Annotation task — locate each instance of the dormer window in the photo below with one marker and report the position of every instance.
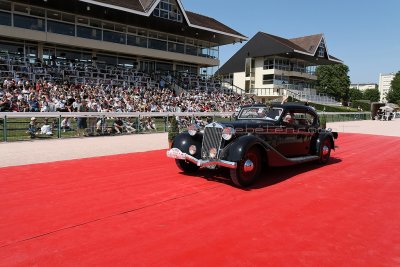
(321, 49)
(168, 9)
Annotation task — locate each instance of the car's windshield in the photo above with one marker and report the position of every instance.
(260, 113)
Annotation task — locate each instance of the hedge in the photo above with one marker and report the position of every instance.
(364, 104)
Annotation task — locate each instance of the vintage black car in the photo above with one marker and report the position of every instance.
(260, 136)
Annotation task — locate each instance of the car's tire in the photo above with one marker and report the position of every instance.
(186, 166)
(325, 151)
(242, 178)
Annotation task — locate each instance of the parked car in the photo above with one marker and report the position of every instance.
(260, 136)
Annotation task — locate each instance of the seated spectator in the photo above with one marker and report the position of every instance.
(66, 124)
(151, 125)
(69, 104)
(45, 106)
(33, 104)
(118, 126)
(46, 129)
(32, 128)
(60, 104)
(129, 126)
(5, 104)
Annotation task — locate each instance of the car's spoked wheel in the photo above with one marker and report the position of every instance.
(248, 169)
(325, 152)
(186, 166)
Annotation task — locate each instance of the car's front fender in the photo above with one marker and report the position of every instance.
(184, 140)
(236, 150)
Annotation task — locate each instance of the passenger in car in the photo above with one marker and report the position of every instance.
(289, 118)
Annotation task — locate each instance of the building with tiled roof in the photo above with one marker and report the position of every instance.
(147, 35)
(271, 67)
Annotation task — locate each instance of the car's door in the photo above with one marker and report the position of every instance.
(294, 138)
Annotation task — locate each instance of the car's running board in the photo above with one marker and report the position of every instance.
(303, 159)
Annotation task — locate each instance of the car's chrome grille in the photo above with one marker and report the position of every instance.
(212, 139)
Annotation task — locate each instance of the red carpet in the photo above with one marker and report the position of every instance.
(138, 210)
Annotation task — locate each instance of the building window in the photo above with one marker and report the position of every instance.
(282, 64)
(191, 50)
(268, 79)
(177, 48)
(61, 28)
(157, 44)
(88, 33)
(28, 22)
(168, 9)
(137, 41)
(114, 37)
(5, 18)
(321, 49)
(269, 64)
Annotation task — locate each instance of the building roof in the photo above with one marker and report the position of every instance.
(146, 8)
(135, 5)
(207, 22)
(308, 43)
(264, 44)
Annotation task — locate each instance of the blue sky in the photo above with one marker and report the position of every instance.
(365, 34)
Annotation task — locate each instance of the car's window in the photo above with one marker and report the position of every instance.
(299, 118)
(274, 113)
(311, 119)
(260, 113)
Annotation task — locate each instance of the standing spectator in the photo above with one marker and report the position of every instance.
(82, 121)
(92, 121)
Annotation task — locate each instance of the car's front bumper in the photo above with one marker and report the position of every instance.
(176, 153)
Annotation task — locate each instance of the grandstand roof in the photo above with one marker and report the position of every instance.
(193, 20)
(139, 13)
(264, 44)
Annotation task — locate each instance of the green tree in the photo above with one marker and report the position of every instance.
(334, 80)
(372, 95)
(393, 96)
(355, 94)
(173, 129)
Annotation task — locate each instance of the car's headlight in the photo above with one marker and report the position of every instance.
(213, 152)
(228, 133)
(193, 129)
(192, 150)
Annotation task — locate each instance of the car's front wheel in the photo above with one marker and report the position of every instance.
(325, 151)
(248, 169)
(186, 166)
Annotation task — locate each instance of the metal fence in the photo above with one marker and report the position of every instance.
(14, 126)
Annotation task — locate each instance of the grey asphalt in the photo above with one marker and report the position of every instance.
(40, 151)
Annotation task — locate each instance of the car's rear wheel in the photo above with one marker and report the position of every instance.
(186, 166)
(248, 169)
(325, 151)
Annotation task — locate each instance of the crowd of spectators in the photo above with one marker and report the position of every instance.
(42, 96)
